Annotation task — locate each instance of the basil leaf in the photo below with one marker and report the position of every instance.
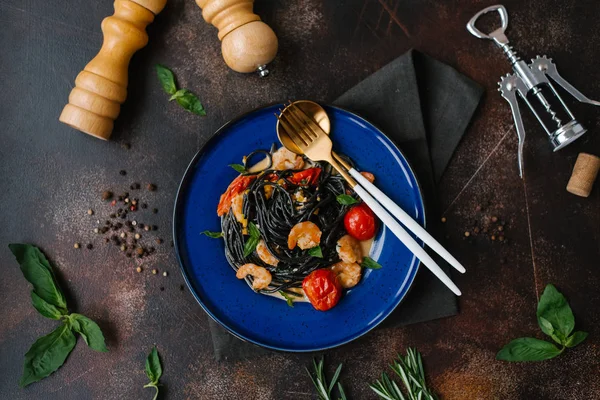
(190, 102)
(166, 78)
(528, 349)
(316, 252)
(89, 331)
(47, 354)
(253, 239)
(548, 329)
(177, 94)
(576, 338)
(289, 299)
(554, 308)
(46, 309)
(369, 263)
(346, 200)
(214, 235)
(153, 367)
(238, 167)
(37, 270)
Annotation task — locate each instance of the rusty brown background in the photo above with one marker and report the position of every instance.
(51, 174)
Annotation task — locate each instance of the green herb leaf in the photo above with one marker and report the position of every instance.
(153, 367)
(46, 309)
(38, 272)
(289, 299)
(178, 94)
(166, 78)
(47, 354)
(548, 329)
(553, 307)
(528, 349)
(369, 263)
(190, 102)
(238, 167)
(346, 200)
(214, 235)
(253, 239)
(319, 380)
(576, 338)
(316, 252)
(89, 331)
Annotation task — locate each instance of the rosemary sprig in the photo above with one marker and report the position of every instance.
(411, 372)
(319, 379)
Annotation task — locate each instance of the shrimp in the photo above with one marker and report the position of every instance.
(265, 255)
(262, 277)
(305, 234)
(285, 159)
(348, 274)
(369, 176)
(349, 249)
(237, 204)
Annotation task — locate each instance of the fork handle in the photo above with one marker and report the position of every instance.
(407, 220)
(405, 238)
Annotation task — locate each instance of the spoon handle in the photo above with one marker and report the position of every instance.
(405, 238)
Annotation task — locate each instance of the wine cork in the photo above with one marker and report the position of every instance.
(584, 174)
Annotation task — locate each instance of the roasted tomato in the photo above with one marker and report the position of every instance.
(322, 288)
(237, 186)
(360, 222)
(305, 177)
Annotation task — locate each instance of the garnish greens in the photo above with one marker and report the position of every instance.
(288, 299)
(411, 372)
(214, 235)
(319, 379)
(556, 320)
(316, 252)
(346, 200)
(252, 240)
(369, 263)
(153, 370)
(238, 167)
(49, 352)
(184, 97)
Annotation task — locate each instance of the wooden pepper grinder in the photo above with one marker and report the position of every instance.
(101, 87)
(247, 43)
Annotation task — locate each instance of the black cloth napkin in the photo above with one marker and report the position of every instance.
(424, 106)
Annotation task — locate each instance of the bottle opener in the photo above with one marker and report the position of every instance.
(530, 82)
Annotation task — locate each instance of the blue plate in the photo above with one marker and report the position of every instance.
(264, 320)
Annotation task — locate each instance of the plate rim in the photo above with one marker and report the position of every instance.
(177, 205)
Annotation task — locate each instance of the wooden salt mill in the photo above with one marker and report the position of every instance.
(101, 87)
(247, 43)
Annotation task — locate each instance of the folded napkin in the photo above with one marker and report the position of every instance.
(424, 106)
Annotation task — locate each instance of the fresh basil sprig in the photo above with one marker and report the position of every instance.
(556, 320)
(238, 167)
(369, 263)
(153, 370)
(346, 199)
(214, 235)
(49, 352)
(184, 97)
(253, 239)
(316, 252)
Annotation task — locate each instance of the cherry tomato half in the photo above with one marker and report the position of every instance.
(322, 288)
(237, 186)
(360, 222)
(305, 177)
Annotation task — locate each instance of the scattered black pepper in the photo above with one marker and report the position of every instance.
(151, 187)
(90, 246)
(144, 205)
(126, 146)
(162, 288)
(155, 211)
(181, 287)
(154, 227)
(123, 172)
(107, 195)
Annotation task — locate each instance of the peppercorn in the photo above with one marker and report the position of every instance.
(90, 246)
(126, 200)
(147, 227)
(128, 254)
(106, 240)
(154, 227)
(500, 228)
(151, 187)
(155, 211)
(162, 288)
(76, 245)
(159, 240)
(139, 251)
(154, 271)
(443, 219)
(181, 287)
(501, 238)
(123, 172)
(123, 247)
(126, 146)
(96, 230)
(493, 237)
(494, 219)
(165, 273)
(476, 229)
(90, 212)
(139, 269)
(478, 208)
(144, 205)
(133, 208)
(467, 233)
(137, 236)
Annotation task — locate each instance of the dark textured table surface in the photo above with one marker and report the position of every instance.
(51, 175)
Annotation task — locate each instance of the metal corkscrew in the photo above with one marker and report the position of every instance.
(531, 83)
